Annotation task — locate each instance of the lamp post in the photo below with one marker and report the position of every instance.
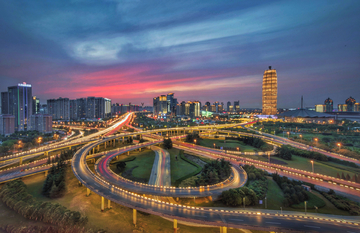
(316, 140)
(195, 141)
(300, 136)
(305, 207)
(288, 133)
(214, 145)
(312, 164)
(265, 202)
(39, 140)
(244, 202)
(339, 145)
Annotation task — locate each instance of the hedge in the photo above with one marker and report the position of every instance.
(131, 158)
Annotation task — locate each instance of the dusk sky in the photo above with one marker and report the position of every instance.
(132, 51)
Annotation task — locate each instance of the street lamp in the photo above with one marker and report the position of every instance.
(214, 145)
(339, 145)
(237, 148)
(195, 141)
(316, 140)
(288, 133)
(300, 136)
(312, 164)
(39, 140)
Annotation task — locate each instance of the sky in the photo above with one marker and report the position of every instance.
(133, 50)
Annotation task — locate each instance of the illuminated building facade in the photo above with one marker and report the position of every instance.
(342, 107)
(269, 92)
(357, 107)
(329, 105)
(320, 107)
(35, 105)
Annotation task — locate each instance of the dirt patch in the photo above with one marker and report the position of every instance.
(275, 161)
(195, 160)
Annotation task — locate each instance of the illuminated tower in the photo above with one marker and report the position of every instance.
(269, 92)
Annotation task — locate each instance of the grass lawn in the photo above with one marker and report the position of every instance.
(229, 143)
(325, 168)
(144, 160)
(116, 219)
(179, 167)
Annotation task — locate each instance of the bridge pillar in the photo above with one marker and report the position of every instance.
(102, 203)
(175, 226)
(20, 161)
(109, 204)
(69, 147)
(128, 152)
(105, 145)
(177, 199)
(87, 192)
(123, 140)
(140, 149)
(93, 150)
(223, 229)
(46, 173)
(46, 153)
(134, 216)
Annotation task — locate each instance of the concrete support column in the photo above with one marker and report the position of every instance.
(175, 226)
(46, 173)
(134, 216)
(109, 204)
(98, 148)
(105, 145)
(223, 229)
(46, 153)
(140, 149)
(123, 140)
(93, 150)
(20, 161)
(102, 203)
(80, 184)
(128, 152)
(69, 147)
(177, 199)
(87, 192)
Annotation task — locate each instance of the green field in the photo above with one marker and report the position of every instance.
(143, 162)
(325, 168)
(179, 167)
(229, 143)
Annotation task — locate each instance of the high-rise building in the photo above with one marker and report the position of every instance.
(43, 109)
(81, 108)
(35, 105)
(228, 106)
(41, 123)
(4, 102)
(207, 106)
(320, 107)
(269, 92)
(20, 105)
(342, 107)
(357, 107)
(73, 110)
(172, 102)
(160, 105)
(59, 109)
(7, 124)
(350, 102)
(193, 109)
(237, 106)
(329, 105)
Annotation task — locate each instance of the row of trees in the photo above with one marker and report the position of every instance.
(255, 142)
(14, 194)
(47, 229)
(214, 172)
(236, 197)
(54, 186)
(293, 192)
(342, 203)
(256, 180)
(355, 178)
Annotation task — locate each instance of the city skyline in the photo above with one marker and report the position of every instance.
(132, 52)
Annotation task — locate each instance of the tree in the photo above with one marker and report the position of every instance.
(347, 176)
(342, 176)
(168, 143)
(121, 166)
(338, 176)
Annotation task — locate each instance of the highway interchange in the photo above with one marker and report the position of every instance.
(128, 193)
